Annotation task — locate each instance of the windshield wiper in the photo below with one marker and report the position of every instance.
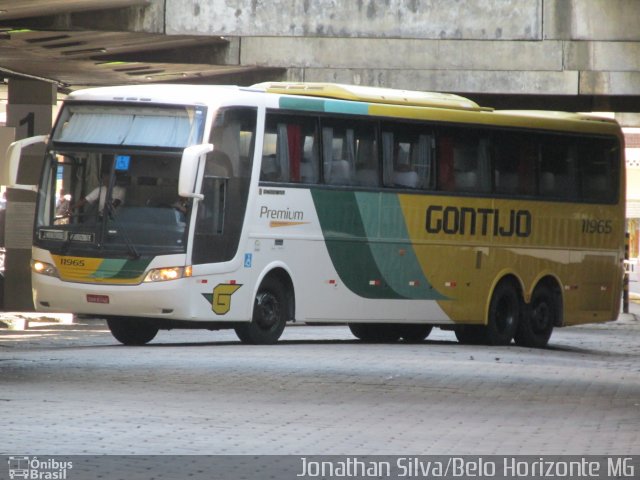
(133, 252)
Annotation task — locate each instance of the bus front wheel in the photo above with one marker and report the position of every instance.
(130, 331)
(536, 326)
(269, 315)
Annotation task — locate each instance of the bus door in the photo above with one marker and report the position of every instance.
(225, 186)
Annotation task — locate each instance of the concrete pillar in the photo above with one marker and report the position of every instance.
(29, 111)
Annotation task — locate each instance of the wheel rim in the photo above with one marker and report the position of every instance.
(268, 310)
(505, 318)
(541, 317)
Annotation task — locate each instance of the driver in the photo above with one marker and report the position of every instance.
(100, 193)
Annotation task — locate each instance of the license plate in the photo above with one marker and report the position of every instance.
(97, 298)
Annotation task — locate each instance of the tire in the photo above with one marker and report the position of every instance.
(269, 315)
(414, 332)
(536, 326)
(132, 331)
(375, 332)
(504, 313)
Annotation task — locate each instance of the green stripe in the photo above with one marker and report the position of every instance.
(302, 103)
(367, 241)
(116, 268)
(353, 108)
(391, 246)
(346, 241)
(322, 105)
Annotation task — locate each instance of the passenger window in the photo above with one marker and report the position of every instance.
(599, 170)
(558, 158)
(290, 150)
(514, 160)
(350, 153)
(407, 157)
(463, 161)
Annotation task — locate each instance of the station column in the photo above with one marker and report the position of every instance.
(29, 111)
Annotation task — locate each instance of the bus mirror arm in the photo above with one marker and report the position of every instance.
(9, 173)
(189, 170)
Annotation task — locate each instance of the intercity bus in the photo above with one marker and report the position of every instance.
(176, 206)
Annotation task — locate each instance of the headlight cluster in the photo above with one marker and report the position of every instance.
(155, 275)
(170, 273)
(44, 268)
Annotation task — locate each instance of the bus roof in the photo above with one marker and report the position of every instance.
(380, 101)
(153, 93)
(373, 94)
(461, 109)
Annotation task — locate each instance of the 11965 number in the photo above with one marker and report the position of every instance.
(597, 226)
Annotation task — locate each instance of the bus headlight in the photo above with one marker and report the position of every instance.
(44, 268)
(170, 273)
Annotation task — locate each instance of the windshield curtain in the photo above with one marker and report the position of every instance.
(169, 127)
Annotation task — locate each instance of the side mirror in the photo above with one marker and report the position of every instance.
(9, 172)
(189, 170)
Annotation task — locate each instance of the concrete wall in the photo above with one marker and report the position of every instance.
(470, 19)
(531, 47)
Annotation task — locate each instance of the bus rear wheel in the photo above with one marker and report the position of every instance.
(504, 313)
(536, 326)
(269, 315)
(132, 331)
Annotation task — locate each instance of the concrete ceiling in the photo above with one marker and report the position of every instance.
(33, 44)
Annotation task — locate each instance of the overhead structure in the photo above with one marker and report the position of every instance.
(120, 42)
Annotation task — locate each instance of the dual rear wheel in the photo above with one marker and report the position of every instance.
(509, 319)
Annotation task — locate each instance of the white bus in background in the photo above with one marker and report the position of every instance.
(392, 211)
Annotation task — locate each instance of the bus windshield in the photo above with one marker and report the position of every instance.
(110, 181)
(118, 204)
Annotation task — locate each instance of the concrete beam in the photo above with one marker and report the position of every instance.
(602, 56)
(148, 18)
(316, 52)
(615, 20)
(609, 83)
(434, 19)
(460, 81)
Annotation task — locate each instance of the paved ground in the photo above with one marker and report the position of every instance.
(71, 389)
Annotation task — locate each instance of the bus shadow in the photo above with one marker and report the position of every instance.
(282, 343)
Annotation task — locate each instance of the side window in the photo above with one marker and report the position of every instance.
(463, 161)
(408, 157)
(599, 165)
(514, 161)
(557, 170)
(290, 150)
(350, 153)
